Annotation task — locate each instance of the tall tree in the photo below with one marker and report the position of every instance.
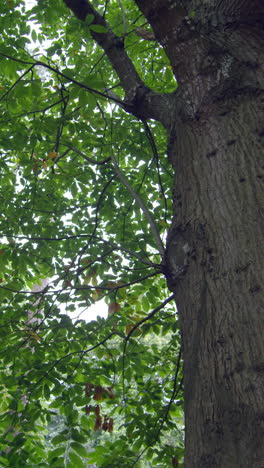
(129, 107)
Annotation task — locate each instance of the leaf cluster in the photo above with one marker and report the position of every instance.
(68, 219)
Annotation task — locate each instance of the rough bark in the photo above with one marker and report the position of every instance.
(214, 254)
(218, 231)
(214, 261)
(219, 216)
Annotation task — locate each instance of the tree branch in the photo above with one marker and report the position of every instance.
(16, 82)
(59, 73)
(145, 319)
(175, 391)
(119, 247)
(90, 160)
(142, 205)
(111, 44)
(140, 100)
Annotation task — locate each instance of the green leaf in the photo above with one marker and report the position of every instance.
(66, 217)
(89, 19)
(46, 391)
(56, 453)
(76, 460)
(98, 28)
(76, 436)
(59, 439)
(79, 449)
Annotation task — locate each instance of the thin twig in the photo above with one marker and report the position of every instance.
(175, 392)
(90, 160)
(81, 352)
(156, 157)
(85, 236)
(153, 312)
(123, 17)
(148, 317)
(16, 82)
(38, 63)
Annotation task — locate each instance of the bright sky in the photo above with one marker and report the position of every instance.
(99, 309)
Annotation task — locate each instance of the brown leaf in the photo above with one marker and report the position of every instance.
(113, 307)
(110, 425)
(98, 393)
(98, 423)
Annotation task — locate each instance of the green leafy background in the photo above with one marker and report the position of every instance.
(66, 217)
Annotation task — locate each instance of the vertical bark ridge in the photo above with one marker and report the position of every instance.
(218, 201)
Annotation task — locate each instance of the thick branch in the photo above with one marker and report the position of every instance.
(111, 44)
(140, 100)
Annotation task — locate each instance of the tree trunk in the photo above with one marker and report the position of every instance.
(218, 210)
(216, 149)
(214, 258)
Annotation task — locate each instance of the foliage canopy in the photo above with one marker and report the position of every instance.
(76, 170)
